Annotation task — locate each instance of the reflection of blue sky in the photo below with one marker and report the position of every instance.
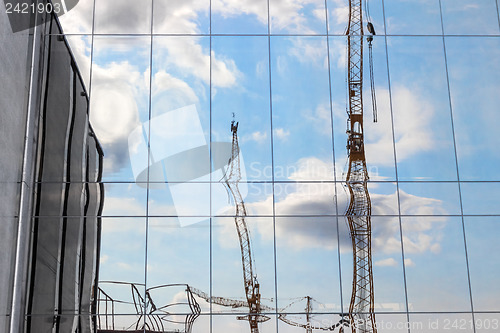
(226, 74)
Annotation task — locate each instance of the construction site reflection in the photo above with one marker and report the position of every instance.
(153, 315)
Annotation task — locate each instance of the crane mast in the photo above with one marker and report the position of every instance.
(358, 213)
(252, 293)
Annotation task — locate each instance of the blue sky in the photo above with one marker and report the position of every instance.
(436, 111)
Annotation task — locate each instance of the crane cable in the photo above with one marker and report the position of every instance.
(372, 80)
(371, 30)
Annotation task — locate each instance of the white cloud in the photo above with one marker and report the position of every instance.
(116, 206)
(257, 136)
(340, 14)
(413, 121)
(187, 54)
(409, 262)
(312, 168)
(421, 234)
(310, 51)
(389, 262)
(78, 19)
(281, 133)
(320, 118)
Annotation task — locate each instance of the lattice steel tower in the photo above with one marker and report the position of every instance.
(358, 214)
(252, 293)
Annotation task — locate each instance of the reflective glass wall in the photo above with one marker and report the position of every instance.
(166, 80)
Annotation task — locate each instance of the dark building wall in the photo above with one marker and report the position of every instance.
(49, 173)
(63, 260)
(15, 55)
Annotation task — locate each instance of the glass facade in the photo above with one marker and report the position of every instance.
(166, 79)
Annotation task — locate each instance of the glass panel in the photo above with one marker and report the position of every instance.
(123, 17)
(338, 15)
(301, 101)
(122, 199)
(247, 98)
(480, 198)
(122, 262)
(387, 264)
(429, 198)
(178, 257)
(297, 17)
(383, 198)
(227, 269)
(314, 199)
(181, 17)
(182, 200)
(120, 105)
(441, 323)
(470, 17)
(421, 109)
(436, 271)
(379, 146)
(472, 63)
(180, 110)
(311, 274)
(258, 199)
(239, 17)
(413, 17)
(78, 19)
(484, 263)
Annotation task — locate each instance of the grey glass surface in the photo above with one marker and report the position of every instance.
(181, 17)
(79, 19)
(121, 17)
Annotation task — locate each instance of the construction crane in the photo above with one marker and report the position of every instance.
(361, 312)
(232, 177)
